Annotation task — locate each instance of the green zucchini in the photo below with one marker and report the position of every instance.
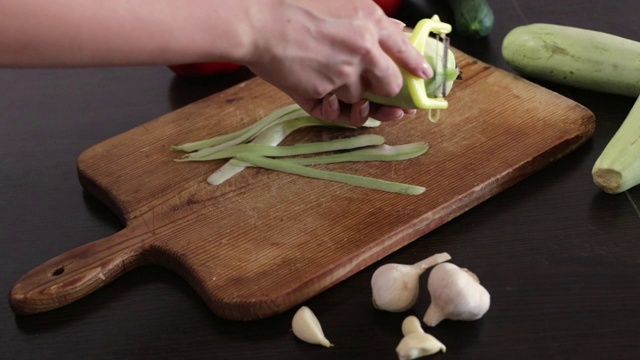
(418, 93)
(617, 169)
(443, 78)
(576, 57)
(473, 18)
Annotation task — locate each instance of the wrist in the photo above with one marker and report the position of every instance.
(214, 30)
(256, 30)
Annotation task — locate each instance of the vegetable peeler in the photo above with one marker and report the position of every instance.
(416, 85)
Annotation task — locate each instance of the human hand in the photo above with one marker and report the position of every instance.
(326, 54)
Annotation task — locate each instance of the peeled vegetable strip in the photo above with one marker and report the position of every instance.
(247, 136)
(355, 180)
(291, 150)
(377, 153)
(272, 135)
(245, 133)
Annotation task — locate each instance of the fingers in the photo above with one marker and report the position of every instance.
(389, 113)
(384, 54)
(372, 64)
(396, 44)
(398, 23)
(359, 113)
(351, 93)
(331, 109)
(327, 108)
(382, 76)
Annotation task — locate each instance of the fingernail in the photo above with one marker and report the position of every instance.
(398, 22)
(399, 114)
(410, 111)
(364, 110)
(333, 103)
(426, 71)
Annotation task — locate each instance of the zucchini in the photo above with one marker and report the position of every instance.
(617, 169)
(473, 18)
(576, 57)
(443, 78)
(418, 93)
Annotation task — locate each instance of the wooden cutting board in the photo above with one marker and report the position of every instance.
(265, 242)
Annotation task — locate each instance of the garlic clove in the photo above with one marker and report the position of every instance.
(395, 287)
(306, 327)
(411, 325)
(416, 343)
(456, 294)
(434, 315)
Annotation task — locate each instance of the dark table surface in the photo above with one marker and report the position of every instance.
(560, 258)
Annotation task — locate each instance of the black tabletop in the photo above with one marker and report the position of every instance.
(560, 258)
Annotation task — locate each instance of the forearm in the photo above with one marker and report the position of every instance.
(122, 32)
(320, 53)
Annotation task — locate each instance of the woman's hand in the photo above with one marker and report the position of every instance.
(327, 54)
(324, 54)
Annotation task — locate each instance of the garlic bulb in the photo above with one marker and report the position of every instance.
(395, 286)
(456, 294)
(306, 327)
(416, 343)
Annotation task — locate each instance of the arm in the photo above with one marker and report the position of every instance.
(324, 55)
(120, 32)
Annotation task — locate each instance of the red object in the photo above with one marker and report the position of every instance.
(204, 69)
(390, 7)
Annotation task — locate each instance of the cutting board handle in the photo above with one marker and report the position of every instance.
(76, 273)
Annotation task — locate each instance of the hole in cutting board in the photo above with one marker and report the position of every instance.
(58, 271)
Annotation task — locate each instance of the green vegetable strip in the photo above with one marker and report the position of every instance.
(253, 129)
(247, 136)
(291, 150)
(371, 123)
(355, 180)
(272, 136)
(378, 153)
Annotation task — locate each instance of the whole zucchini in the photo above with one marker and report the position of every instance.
(473, 18)
(617, 169)
(576, 57)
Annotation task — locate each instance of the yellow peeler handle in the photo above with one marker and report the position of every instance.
(416, 85)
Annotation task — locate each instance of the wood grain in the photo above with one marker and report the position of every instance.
(264, 242)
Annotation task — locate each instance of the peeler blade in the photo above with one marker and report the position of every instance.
(445, 61)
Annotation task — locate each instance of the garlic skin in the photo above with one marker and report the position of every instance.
(394, 287)
(456, 294)
(306, 327)
(416, 343)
